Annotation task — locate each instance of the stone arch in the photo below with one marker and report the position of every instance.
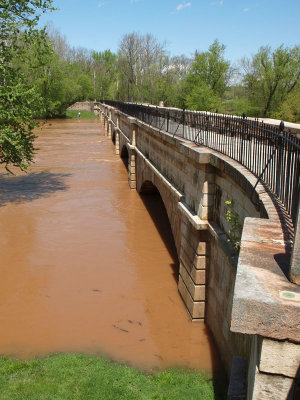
(170, 203)
(148, 187)
(155, 205)
(125, 156)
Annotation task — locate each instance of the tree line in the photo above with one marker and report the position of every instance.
(264, 85)
(41, 75)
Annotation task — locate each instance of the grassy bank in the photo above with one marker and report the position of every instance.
(83, 114)
(80, 377)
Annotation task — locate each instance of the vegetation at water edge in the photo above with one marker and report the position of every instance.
(84, 114)
(41, 75)
(80, 377)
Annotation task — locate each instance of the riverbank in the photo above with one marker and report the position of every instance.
(84, 114)
(77, 376)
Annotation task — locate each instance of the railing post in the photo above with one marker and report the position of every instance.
(183, 121)
(294, 273)
(117, 138)
(242, 139)
(109, 126)
(105, 119)
(279, 158)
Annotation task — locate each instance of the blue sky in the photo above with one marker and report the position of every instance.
(242, 25)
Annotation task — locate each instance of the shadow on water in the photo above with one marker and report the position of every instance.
(155, 207)
(125, 157)
(31, 186)
(158, 213)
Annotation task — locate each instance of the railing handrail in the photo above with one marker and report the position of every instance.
(270, 152)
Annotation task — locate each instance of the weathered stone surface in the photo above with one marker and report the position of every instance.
(200, 250)
(197, 291)
(220, 285)
(198, 261)
(198, 275)
(208, 187)
(83, 105)
(195, 308)
(198, 240)
(195, 220)
(132, 184)
(272, 387)
(257, 305)
(282, 358)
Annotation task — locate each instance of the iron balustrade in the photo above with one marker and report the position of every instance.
(271, 153)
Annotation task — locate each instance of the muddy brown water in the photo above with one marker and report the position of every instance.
(88, 265)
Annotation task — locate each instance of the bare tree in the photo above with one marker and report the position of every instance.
(59, 42)
(138, 55)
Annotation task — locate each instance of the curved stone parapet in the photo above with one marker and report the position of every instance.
(246, 299)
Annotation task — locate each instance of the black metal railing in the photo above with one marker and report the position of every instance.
(271, 153)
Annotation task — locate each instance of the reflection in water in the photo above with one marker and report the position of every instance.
(87, 264)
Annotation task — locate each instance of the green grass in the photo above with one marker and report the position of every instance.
(83, 114)
(76, 376)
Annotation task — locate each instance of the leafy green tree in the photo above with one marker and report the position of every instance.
(271, 77)
(207, 79)
(290, 109)
(18, 100)
(105, 74)
(235, 100)
(86, 86)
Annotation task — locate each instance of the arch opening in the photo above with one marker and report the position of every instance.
(154, 204)
(124, 156)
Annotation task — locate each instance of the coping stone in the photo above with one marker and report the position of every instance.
(265, 302)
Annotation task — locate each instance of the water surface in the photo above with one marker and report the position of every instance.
(88, 265)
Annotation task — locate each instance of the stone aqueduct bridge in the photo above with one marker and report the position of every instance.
(242, 299)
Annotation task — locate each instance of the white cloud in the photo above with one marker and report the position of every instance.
(221, 2)
(246, 9)
(100, 5)
(181, 6)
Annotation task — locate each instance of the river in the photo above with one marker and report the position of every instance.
(88, 265)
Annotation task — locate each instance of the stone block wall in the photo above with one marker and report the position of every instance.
(227, 190)
(237, 296)
(146, 178)
(266, 309)
(220, 288)
(274, 370)
(194, 261)
(207, 265)
(82, 105)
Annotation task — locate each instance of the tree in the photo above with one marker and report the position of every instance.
(105, 77)
(271, 77)
(139, 56)
(290, 109)
(207, 79)
(18, 21)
